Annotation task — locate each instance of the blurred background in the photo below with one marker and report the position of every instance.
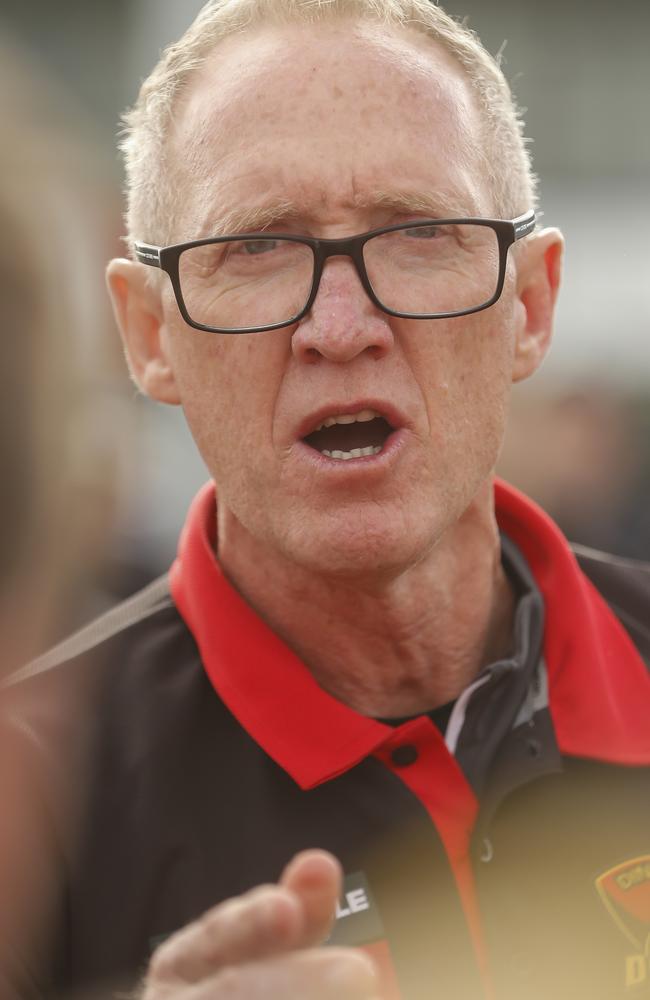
(579, 439)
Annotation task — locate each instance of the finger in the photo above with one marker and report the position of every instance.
(263, 922)
(317, 974)
(315, 877)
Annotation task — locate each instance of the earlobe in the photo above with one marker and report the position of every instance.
(138, 313)
(539, 268)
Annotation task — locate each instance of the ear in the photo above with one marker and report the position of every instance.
(539, 266)
(138, 310)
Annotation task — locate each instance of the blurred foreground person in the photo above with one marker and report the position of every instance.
(55, 486)
(366, 644)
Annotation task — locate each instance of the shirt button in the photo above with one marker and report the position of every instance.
(404, 755)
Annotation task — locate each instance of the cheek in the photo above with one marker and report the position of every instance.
(486, 360)
(228, 387)
(466, 367)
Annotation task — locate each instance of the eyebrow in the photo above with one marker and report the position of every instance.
(253, 218)
(437, 205)
(257, 218)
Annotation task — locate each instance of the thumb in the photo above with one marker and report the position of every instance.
(316, 879)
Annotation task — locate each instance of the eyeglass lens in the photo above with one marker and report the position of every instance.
(244, 283)
(419, 269)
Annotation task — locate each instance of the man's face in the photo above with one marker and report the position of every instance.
(334, 128)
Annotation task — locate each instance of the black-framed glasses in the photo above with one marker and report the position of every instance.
(431, 269)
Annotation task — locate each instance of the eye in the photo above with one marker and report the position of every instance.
(256, 247)
(424, 232)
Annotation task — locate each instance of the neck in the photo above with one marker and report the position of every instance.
(393, 647)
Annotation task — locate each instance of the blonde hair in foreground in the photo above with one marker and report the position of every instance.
(150, 193)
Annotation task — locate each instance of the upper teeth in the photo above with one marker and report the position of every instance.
(349, 418)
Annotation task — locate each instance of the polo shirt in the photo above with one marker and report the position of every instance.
(507, 857)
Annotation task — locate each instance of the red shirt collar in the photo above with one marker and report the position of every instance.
(597, 711)
(265, 685)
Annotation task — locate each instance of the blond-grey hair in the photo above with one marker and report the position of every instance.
(146, 127)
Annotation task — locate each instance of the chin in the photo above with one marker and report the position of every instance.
(363, 548)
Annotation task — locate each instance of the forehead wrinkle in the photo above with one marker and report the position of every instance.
(206, 124)
(256, 218)
(281, 209)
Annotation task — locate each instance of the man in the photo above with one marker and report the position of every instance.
(353, 651)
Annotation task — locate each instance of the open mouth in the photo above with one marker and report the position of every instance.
(350, 435)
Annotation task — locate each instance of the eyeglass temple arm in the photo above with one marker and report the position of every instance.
(524, 225)
(148, 254)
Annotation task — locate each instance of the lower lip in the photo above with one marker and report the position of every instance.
(368, 464)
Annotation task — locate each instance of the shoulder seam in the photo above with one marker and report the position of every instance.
(151, 599)
(629, 620)
(595, 555)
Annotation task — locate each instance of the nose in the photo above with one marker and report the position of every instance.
(342, 323)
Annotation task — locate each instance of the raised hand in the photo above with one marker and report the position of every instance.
(264, 944)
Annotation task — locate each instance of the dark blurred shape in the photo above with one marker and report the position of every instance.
(63, 383)
(58, 421)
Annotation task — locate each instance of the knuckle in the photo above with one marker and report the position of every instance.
(259, 890)
(221, 924)
(170, 959)
(218, 923)
(266, 917)
(262, 922)
(276, 917)
(162, 963)
(210, 924)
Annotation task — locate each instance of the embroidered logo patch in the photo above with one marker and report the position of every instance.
(625, 891)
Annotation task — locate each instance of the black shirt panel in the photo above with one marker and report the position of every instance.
(187, 808)
(440, 716)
